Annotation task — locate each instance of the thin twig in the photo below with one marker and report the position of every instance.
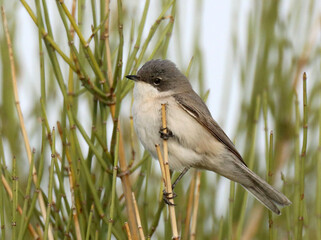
(302, 160)
(161, 162)
(129, 236)
(195, 207)
(189, 206)
(113, 190)
(140, 228)
(107, 46)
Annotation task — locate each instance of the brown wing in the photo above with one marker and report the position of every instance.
(188, 101)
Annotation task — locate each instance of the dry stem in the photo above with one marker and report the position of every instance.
(195, 207)
(161, 163)
(129, 236)
(168, 184)
(140, 228)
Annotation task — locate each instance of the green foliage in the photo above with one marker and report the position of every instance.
(87, 160)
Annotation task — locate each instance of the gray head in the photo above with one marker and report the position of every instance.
(161, 74)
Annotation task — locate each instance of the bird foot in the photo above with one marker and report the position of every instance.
(167, 198)
(165, 133)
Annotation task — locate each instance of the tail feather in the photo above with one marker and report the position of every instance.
(232, 168)
(264, 192)
(263, 198)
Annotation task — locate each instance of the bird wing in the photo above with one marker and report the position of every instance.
(188, 101)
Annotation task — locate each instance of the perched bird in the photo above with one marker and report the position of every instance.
(194, 137)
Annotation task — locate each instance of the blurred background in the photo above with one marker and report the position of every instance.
(246, 59)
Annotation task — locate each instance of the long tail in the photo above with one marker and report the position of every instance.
(237, 171)
(262, 191)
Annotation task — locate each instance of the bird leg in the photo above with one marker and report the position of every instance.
(166, 194)
(165, 133)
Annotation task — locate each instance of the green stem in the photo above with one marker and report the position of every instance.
(26, 199)
(46, 37)
(302, 160)
(231, 208)
(85, 45)
(14, 198)
(89, 221)
(51, 179)
(269, 180)
(113, 190)
(318, 186)
(142, 22)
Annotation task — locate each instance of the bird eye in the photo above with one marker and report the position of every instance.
(157, 81)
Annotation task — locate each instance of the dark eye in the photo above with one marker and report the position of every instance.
(157, 81)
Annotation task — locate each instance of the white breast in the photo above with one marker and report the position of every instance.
(192, 140)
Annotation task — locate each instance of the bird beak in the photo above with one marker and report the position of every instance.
(133, 77)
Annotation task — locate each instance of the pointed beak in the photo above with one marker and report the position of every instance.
(133, 77)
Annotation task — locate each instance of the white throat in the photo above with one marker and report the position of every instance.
(144, 92)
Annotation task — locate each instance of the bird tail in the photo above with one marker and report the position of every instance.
(237, 171)
(262, 191)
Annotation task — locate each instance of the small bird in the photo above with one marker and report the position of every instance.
(195, 140)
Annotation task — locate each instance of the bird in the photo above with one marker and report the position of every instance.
(195, 140)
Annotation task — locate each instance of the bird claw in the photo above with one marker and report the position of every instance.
(165, 133)
(167, 198)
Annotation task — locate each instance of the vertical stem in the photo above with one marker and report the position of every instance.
(156, 219)
(24, 221)
(168, 185)
(297, 163)
(129, 236)
(119, 62)
(89, 221)
(195, 207)
(140, 228)
(220, 231)
(169, 32)
(14, 198)
(113, 190)
(231, 208)
(2, 214)
(51, 180)
(189, 206)
(107, 46)
(269, 180)
(318, 187)
(265, 109)
(302, 159)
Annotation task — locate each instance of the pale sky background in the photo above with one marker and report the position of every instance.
(215, 42)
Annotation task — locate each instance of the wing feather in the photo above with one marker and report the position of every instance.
(188, 101)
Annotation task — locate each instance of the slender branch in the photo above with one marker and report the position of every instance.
(302, 160)
(189, 206)
(129, 236)
(107, 46)
(195, 207)
(140, 228)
